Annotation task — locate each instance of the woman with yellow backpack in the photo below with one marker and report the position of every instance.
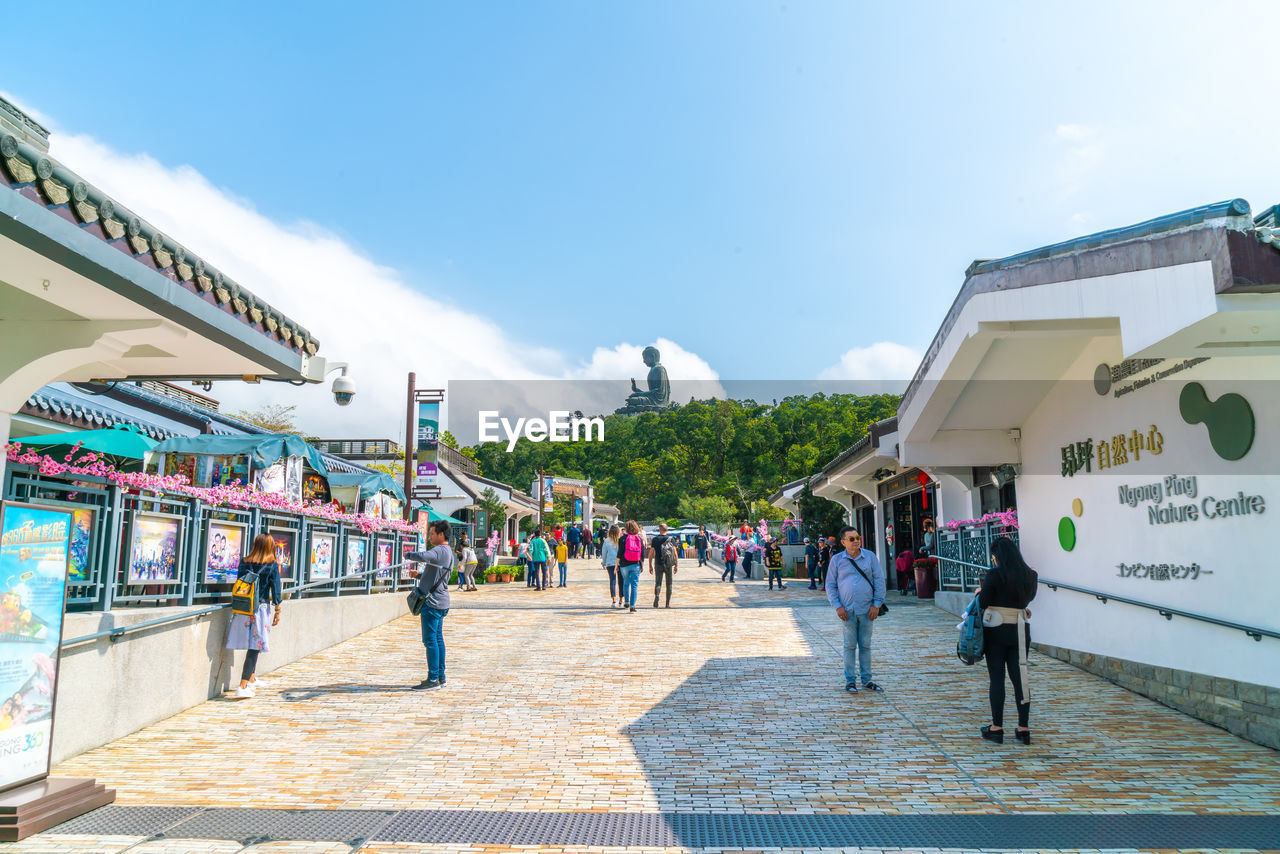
(256, 592)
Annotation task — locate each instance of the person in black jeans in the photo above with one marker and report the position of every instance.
(1006, 591)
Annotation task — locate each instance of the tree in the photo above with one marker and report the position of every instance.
(272, 417)
(393, 467)
(822, 518)
(450, 440)
(493, 507)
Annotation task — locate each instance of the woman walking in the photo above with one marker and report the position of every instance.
(1006, 591)
(467, 562)
(730, 561)
(609, 559)
(630, 560)
(525, 562)
(252, 633)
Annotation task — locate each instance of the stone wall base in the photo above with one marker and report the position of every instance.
(1247, 710)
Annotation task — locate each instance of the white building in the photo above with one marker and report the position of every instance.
(1122, 388)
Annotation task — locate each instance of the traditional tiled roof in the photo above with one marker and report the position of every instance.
(79, 414)
(32, 174)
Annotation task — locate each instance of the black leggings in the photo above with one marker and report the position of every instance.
(250, 664)
(1001, 647)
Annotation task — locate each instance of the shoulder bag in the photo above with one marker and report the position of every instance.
(884, 606)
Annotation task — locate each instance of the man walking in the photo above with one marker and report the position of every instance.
(811, 562)
(662, 556)
(773, 560)
(856, 589)
(539, 554)
(433, 582)
(700, 543)
(574, 536)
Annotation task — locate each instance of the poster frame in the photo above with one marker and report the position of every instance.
(293, 551)
(208, 530)
(92, 553)
(346, 555)
(332, 537)
(179, 543)
(57, 653)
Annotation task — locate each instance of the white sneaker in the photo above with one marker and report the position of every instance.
(245, 693)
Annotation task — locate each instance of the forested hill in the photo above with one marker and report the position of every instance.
(739, 451)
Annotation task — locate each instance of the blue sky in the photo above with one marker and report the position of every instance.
(766, 185)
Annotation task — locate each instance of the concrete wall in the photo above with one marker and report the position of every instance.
(108, 690)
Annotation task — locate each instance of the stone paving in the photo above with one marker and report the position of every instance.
(731, 702)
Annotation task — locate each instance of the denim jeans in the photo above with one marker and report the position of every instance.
(564, 574)
(631, 584)
(857, 649)
(775, 573)
(813, 575)
(702, 557)
(433, 640)
(539, 573)
(615, 581)
(730, 570)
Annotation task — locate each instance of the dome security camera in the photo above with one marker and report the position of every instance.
(344, 388)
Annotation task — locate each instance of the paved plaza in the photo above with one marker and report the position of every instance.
(566, 725)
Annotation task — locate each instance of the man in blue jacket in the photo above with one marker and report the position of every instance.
(856, 589)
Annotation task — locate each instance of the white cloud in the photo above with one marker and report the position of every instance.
(883, 360)
(1081, 153)
(361, 312)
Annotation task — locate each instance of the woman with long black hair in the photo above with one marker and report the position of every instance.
(1006, 591)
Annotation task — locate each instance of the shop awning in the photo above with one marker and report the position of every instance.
(370, 483)
(433, 516)
(262, 450)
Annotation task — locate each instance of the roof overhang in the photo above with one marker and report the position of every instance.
(1017, 329)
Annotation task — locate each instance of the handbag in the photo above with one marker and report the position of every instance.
(417, 599)
(884, 606)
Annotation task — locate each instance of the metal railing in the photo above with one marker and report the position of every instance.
(963, 554)
(120, 631)
(110, 520)
(1164, 610)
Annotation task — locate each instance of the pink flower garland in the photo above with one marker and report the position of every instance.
(239, 497)
(1007, 519)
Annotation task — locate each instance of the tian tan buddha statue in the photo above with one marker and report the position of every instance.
(658, 395)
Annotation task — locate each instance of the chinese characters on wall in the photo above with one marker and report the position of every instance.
(1117, 450)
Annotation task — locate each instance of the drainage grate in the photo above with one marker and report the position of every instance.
(127, 821)
(688, 830)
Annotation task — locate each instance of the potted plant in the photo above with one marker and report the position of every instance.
(926, 577)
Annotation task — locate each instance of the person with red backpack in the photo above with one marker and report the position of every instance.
(730, 561)
(630, 563)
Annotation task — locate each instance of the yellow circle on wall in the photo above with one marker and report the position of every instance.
(1077, 506)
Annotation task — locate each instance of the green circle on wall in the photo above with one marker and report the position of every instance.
(1066, 533)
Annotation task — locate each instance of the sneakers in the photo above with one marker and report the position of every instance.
(632, 609)
(871, 686)
(245, 693)
(655, 601)
(426, 684)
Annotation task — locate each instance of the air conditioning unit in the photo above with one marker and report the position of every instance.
(1002, 476)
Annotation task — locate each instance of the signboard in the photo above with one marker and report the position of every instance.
(548, 495)
(428, 439)
(35, 551)
(577, 509)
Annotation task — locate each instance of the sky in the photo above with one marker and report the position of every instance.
(536, 190)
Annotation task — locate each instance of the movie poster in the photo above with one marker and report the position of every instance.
(356, 549)
(322, 549)
(386, 557)
(223, 552)
(428, 436)
(35, 554)
(81, 543)
(286, 542)
(270, 479)
(153, 549)
(293, 479)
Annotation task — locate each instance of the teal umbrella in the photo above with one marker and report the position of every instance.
(123, 446)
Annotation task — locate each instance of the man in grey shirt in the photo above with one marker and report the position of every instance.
(856, 589)
(433, 583)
